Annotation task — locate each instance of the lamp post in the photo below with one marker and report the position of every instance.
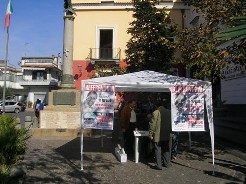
(5, 68)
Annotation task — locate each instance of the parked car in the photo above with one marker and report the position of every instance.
(11, 106)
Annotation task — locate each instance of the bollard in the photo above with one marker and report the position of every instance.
(22, 124)
(28, 122)
(19, 123)
(35, 122)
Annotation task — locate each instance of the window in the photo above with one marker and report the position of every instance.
(39, 75)
(106, 39)
(105, 42)
(10, 103)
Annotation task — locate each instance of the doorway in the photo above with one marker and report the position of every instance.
(106, 43)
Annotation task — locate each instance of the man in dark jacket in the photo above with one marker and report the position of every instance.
(128, 123)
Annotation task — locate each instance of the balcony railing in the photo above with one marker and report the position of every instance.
(105, 54)
(40, 61)
(39, 83)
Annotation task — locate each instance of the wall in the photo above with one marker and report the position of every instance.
(233, 91)
(117, 1)
(87, 70)
(9, 84)
(37, 90)
(85, 28)
(85, 32)
(98, 1)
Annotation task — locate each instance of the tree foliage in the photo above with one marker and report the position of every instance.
(106, 70)
(12, 144)
(234, 34)
(198, 45)
(8, 92)
(149, 47)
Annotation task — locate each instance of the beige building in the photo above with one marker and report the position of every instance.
(100, 31)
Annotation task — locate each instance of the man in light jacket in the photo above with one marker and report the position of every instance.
(159, 133)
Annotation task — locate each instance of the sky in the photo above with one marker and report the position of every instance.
(36, 29)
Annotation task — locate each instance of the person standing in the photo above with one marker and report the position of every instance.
(160, 133)
(38, 108)
(128, 123)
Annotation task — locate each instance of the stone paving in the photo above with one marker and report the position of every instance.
(57, 160)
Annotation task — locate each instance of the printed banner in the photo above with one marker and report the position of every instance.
(98, 106)
(187, 108)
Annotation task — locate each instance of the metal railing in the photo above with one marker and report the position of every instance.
(40, 61)
(39, 83)
(105, 53)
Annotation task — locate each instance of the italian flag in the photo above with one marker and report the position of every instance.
(8, 13)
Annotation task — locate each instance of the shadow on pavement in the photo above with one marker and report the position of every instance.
(62, 164)
(59, 161)
(223, 175)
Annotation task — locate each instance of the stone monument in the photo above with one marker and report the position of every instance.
(62, 115)
(67, 77)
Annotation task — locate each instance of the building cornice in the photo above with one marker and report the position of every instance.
(125, 6)
(24, 58)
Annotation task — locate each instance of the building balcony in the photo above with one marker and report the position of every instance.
(40, 63)
(105, 55)
(52, 83)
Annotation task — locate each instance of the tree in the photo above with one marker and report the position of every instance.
(150, 47)
(9, 92)
(12, 145)
(235, 35)
(198, 45)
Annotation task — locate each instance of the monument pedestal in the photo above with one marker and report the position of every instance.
(62, 116)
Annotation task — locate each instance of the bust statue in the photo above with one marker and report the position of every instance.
(68, 7)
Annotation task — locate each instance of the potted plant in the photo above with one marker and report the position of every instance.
(12, 145)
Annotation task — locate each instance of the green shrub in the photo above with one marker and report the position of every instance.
(12, 144)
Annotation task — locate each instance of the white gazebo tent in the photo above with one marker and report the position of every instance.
(150, 81)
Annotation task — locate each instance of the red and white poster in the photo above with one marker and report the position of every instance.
(187, 108)
(98, 106)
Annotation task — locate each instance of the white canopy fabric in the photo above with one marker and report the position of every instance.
(145, 81)
(150, 81)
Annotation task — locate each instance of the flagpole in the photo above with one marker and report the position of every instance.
(5, 67)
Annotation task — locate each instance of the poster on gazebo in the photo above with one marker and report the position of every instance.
(187, 108)
(98, 106)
